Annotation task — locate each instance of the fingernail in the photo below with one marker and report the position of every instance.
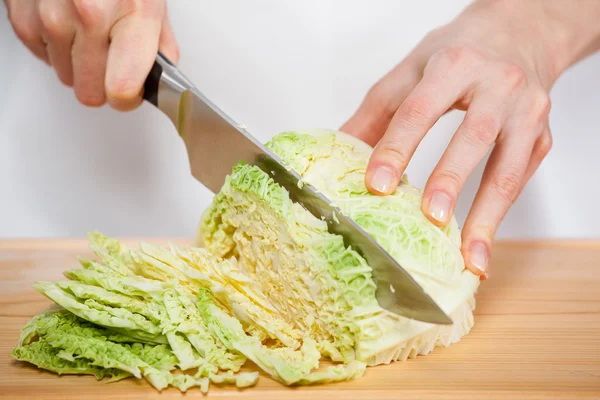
(479, 256)
(383, 179)
(439, 206)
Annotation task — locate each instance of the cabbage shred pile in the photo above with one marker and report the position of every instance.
(154, 313)
(268, 284)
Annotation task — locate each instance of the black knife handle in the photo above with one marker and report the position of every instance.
(152, 81)
(165, 86)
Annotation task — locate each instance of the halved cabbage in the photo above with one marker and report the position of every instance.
(316, 284)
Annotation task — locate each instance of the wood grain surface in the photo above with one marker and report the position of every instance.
(536, 334)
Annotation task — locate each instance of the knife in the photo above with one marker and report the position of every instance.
(215, 144)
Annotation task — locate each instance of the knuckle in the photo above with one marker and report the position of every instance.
(541, 104)
(514, 76)
(123, 90)
(458, 54)
(481, 130)
(393, 151)
(52, 18)
(416, 109)
(506, 186)
(450, 177)
(90, 12)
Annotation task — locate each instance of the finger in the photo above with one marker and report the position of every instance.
(89, 51)
(541, 149)
(444, 83)
(472, 141)
(373, 116)
(57, 18)
(167, 42)
(133, 48)
(500, 184)
(505, 174)
(89, 65)
(26, 23)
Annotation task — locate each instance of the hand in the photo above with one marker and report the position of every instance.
(103, 49)
(497, 60)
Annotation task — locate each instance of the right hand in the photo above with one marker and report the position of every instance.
(103, 49)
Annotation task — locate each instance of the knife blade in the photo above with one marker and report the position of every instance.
(215, 144)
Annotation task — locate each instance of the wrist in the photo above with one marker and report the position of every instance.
(556, 33)
(572, 32)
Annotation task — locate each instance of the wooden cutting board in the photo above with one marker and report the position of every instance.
(536, 334)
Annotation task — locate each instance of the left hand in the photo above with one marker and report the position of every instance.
(495, 67)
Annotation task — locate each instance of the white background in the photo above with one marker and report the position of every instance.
(274, 65)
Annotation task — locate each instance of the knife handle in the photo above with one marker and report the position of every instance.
(164, 86)
(151, 84)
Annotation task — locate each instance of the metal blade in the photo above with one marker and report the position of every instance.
(215, 144)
